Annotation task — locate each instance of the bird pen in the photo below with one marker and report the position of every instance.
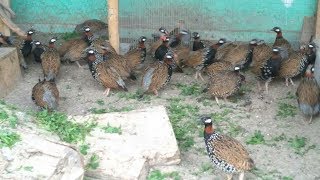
(144, 89)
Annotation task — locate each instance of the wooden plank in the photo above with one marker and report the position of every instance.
(307, 29)
(3, 28)
(113, 23)
(317, 28)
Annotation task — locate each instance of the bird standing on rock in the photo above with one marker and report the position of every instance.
(226, 153)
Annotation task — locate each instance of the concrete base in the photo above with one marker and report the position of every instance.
(10, 72)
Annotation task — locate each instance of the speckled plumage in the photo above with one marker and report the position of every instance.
(260, 55)
(296, 64)
(105, 74)
(156, 76)
(240, 56)
(226, 153)
(198, 44)
(72, 50)
(308, 95)
(218, 67)
(225, 84)
(50, 63)
(45, 94)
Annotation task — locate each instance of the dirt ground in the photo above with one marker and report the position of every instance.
(252, 111)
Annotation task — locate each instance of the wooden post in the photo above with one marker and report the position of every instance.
(4, 28)
(317, 26)
(113, 23)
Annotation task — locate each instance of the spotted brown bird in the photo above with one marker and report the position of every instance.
(72, 50)
(203, 58)
(225, 84)
(158, 74)
(218, 67)
(104, 73)
(50, 61)
(197, 43)
(280, 41)
(241, 55)
(45, 94)
(270, 69)
(308, 94)
(297, 63)
(226, 153)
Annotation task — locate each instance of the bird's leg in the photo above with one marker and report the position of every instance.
(259, 86)
(229, 176)
(267, 85)
(310, 120)
(241, 176)
(287, 82)
(201, 76)
(106, 92)
(216, 99)
(196, 76)
(291, 82)
(78, 64)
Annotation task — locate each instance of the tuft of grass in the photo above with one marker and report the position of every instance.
(93, 163)
(189, 90)
(158, 175)
(123, 109)
(100, 102)
(234, 129)
(28, 168)
(98, 110)
(179, 113)
(221, 116)
(70, 35)
(67, 131)
(206, 167)
(257, 138)
(8, 138)
(299, 145)
(136, 96)
(3, 115)
(286, 110)
(112, 129)
(84, 149)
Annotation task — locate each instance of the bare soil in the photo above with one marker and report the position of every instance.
(249, 112)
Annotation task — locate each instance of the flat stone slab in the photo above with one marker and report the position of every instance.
(147, 139)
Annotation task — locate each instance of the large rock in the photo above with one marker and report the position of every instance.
(147, 139)
(38, 156)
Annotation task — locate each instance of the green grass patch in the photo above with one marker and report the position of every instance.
(84, 149)
(70, 35)
(183, 118)
(221, 116)
(67, 131)
(281, 137)
(189, 90)
(98, 110)
(112, 129)
(257, 138)
(286, 110)
(100, 102)
(158, 175)
(3, 115)
(299, 145)
(93, 162)
(136, 96)
(8, 138)
(12, 119)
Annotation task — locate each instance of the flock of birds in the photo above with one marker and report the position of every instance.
(221, 61)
